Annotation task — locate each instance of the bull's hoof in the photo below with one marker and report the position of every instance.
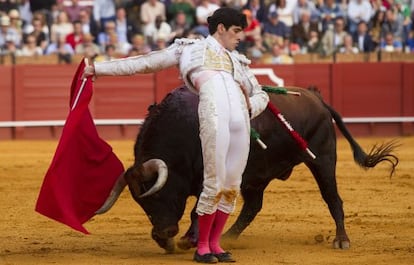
(342, 244)
(186, 243)
(170, 246)
(230, 235)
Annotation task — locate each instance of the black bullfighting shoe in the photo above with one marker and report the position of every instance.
(206, 258)
(225, 257)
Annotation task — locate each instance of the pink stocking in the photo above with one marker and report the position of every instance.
(216, 230)
(205, 223)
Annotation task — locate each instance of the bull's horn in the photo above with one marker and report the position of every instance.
(114, 195)
(151, 167)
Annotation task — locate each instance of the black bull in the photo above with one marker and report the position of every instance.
(168, 160)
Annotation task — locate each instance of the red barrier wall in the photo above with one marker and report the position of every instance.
(368, 90)
(122, 97)
(165, 81)
(306, 75)
(41, 92)
(408, 97)
(6, 100)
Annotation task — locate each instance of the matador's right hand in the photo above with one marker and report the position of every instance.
(89, 71)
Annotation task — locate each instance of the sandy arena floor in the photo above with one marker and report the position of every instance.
(379, 217)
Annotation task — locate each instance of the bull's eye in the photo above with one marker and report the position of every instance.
(144, 187)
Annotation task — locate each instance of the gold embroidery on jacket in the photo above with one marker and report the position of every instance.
(218, 61)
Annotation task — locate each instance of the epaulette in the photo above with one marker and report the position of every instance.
(242, 58)
(185, 41)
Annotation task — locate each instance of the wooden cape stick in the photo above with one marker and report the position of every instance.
(81, 88)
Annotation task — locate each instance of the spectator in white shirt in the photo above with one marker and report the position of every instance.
(62, 27)
(205, 9)
(30, 48)
(149, 11)
(158, 28)
(103, 11)
(358, 10)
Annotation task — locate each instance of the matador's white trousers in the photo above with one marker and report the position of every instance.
(224, 140)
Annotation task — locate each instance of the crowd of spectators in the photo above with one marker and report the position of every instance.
(276, 31)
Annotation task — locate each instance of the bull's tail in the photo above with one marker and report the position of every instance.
(377, 154)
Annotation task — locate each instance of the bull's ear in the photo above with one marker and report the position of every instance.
(152, 106)
(314, 88)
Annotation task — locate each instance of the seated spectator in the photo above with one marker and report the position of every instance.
(30, 48)
(139, 45)
(62, 49)
(133, 52)
(121, 48)
(358, 11)
(108, 55)
(158, 28)
(252, 32)
(390, 44)
(307, 6)
(256, 52)
(291, 48)
(103, 11)
(314, 44)
(54, 11)
(62, 27)
(30, 28)
(185, 7)
(7, 33)
(376, 26)
(6, 6)
(103, 37)
(329, 11)
(258, 8)
(256, 56)
(406, 14)
(9, 48)
(160, 42)
(38, 32)
(334, 38)
(16, 25)
(87, 48)
(75, 37)
(363, 39)
(43, 9)
(25, 11)
(202, 12)
(150, 10)
(236, 4)
(73, 10)
(284, 8)
(409, 44)
(393, 23)
(274, 30)
(88, 24)
(301, 30)
(179, 26)
(348, 46)
(278, 55)
(124, 27)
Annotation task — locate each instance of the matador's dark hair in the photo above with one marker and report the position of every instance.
(226, 16)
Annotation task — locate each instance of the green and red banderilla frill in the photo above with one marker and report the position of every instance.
(295, 135)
